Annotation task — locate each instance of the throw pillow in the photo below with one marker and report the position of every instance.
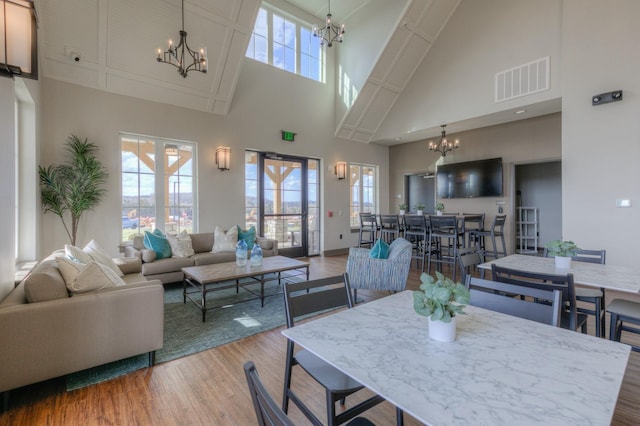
(94, 276)
(248, 235)
(157, 242)
(225, 241)
(380, 250)
(76, 254)
(69, 269)
(101, 256)
(181, 245)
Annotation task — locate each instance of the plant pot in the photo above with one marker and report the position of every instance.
(439, 213)
(419, 212)
(442, 331)
(401, 212)
(563, 262)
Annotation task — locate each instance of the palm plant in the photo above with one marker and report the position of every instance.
(73, 187)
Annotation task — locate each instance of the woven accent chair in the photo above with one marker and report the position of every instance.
(380, 274)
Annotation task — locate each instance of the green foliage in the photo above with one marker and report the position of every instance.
(562, 248)
(403, 206)
(419, 206)
(440, 207)
(440, 299)
(73, 187)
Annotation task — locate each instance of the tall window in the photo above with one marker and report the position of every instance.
(157, 194)
(286, 43)
(363, 188)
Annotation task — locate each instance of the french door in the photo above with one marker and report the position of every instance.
(289, 206)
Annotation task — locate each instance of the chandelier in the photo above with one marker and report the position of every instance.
(330, 32)
(180, 54)
(444, 145)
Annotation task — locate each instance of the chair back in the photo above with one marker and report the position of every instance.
(389, 221)
(473, 221)
(587, 256)
(501, 297)
(562, 282)
(498, 223)
(445, 224)
(415, 223)
(310, 297)
(468, 257)
(268, 412)
(368, 220)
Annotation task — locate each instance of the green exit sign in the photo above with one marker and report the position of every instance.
(288, 136)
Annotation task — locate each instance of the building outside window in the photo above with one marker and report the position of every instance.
(363, 182)
(157, 194)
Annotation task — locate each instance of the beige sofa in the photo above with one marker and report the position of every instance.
(169, 270)
(55, 334)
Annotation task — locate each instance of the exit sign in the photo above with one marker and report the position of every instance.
(288, 136)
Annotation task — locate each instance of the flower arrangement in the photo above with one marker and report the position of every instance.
(440, 299)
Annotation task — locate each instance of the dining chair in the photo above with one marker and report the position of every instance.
(593, 296)
(622, 311)
(301, 300)
(368, 226)
(389, 227)
(502, 297)
(570, 318)
(443, 237)
(268, 413)
(468, 258)
(416, 231)
(472, 222)
(495, 231)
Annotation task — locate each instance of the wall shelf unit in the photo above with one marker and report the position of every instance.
(527, 230)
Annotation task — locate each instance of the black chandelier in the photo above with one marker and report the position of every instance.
(444, 145)
(330, 32)
(176, 55)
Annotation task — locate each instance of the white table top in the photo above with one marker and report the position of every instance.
(499, 370)
(620, 278)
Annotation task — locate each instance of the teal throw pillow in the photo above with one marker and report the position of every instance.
(380, 250)
(157, 242)
(248, 235)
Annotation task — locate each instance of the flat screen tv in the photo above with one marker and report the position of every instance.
(481, 178)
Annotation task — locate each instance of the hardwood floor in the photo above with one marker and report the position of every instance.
(209, 388)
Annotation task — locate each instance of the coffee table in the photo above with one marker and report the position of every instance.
(215, 277)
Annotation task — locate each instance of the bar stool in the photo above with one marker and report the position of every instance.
(416, 232)
(389, 227)
(496, 230)
(368, 225)
(623, 311)
(443, 238)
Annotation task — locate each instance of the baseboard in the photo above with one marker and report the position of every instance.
(336, 252)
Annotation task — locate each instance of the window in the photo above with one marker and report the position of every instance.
(286, 43)
(362, 198)
(157, 194)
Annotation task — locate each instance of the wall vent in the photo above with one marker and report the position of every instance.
(523, 80)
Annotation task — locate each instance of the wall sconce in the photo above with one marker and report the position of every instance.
(341, 170)
(18, 32)
(223, 157)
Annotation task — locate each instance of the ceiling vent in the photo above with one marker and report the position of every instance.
(523, 80)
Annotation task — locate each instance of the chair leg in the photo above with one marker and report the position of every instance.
(603, 312)
(613, 328)
(399, 417)
(331, 409)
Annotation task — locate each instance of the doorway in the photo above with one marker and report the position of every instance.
(420, 189)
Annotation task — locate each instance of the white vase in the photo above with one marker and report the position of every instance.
(442, 331)
(419, 212)
(563, 262)
(439, 213)
(401, 212)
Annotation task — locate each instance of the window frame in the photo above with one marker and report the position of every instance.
(354, 209)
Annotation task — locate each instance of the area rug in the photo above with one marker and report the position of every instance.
(186, 334)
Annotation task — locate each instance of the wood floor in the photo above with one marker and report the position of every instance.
(209, 388)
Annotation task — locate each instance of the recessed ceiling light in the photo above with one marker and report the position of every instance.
(398, 139)
(520, 111)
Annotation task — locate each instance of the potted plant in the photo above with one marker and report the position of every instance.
(440, 300)
(403, 208)
(439, 209)
(419, 208)
(563, 251)
(74, 187)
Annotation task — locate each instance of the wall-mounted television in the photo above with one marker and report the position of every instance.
(480, 178)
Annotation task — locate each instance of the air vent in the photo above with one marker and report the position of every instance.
(523, 80)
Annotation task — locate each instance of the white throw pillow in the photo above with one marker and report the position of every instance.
(69, 269)
(181, 245)
(225, 241)
(94, 276)
(76, 254)
(101, 256)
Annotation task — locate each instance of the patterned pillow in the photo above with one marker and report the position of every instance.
(157, 242)
(181, 245)
(380, 250)
(248, 235)
(90, 277)
(225, 241)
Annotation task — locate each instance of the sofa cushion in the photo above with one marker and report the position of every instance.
(163, 266)
(93, 276)
(129, 265)
(265, 244)
(180, 245)
(248, 236)
(157, 242)
(45, 283)
(76, 254)
(225, 241)
(200, 259)
(148, 255)
(101, 256)
(202, 242)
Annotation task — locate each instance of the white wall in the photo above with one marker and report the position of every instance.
(7, 189)
(266, 101)
(601, 144)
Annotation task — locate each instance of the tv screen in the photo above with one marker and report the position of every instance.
(481, 178)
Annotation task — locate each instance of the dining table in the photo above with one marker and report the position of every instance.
(607, 276)
(500, 369)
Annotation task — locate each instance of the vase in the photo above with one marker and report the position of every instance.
(439, 213)
(401, 212)
(563, 262)
(442, 331)
(419, 212)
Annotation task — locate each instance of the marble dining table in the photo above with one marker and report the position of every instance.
(500, 370)
(612, 277)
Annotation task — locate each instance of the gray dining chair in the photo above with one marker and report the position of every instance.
(268, 413)
(516, 300)
(469, 258)
(368, 229)
(495, 232)
(570, 319)
(624, 311)
(302, 300)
